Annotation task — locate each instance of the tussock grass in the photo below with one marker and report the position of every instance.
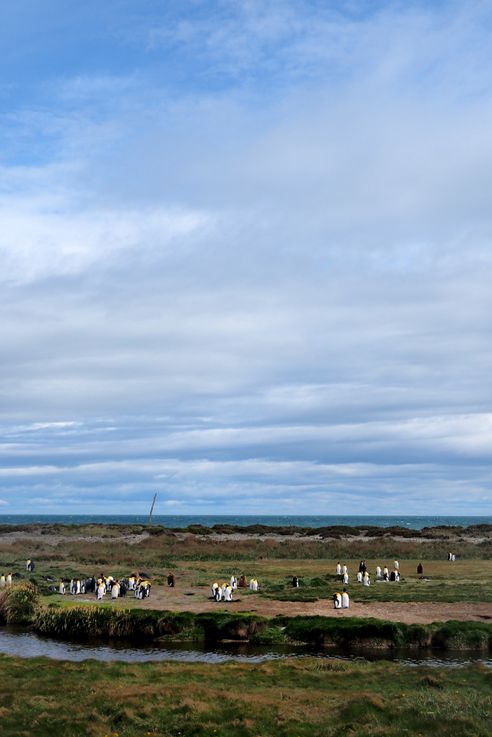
(19, 603)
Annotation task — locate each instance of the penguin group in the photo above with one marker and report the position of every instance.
(341, 600)
(106, 585)
(343, 572)
(5, 580)
(224, 592)
(386, 575)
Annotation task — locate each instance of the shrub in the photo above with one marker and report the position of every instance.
(18, 603)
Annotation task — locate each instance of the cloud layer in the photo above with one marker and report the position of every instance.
(246, 259)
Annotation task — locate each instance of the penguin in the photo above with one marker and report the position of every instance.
(345, 578)
(344, 569)
(337, 601)
(61, 588)
(359, 576)
(9, 579)
(101, 590)
(378, 571)
(345, 599)
(385, 573)
(339, 569)
(2, 581)
(366, 580)
(397, 565)
(115, 590)
(145, 585)
(233, 582)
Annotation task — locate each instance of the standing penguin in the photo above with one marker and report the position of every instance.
(345, 599)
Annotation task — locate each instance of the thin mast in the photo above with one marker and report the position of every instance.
(152, 508)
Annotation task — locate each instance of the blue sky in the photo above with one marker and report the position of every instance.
(246, 257)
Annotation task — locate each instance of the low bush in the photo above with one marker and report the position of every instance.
(18, 603)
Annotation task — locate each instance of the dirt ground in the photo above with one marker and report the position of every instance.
(197, 600)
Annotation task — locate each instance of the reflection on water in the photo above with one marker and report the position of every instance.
(29, 645)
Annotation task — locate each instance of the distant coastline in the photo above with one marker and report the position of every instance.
(313, 521)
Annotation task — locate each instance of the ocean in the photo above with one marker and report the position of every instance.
(413, 523)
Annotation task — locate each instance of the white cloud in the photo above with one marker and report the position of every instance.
(42, 242)
(273, 287)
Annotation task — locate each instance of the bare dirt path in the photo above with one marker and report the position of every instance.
(196, 600)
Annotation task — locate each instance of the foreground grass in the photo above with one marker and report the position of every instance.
(292, 698)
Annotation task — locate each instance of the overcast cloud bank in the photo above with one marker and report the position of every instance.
(246, 257)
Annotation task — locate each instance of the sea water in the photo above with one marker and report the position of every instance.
(412, 523)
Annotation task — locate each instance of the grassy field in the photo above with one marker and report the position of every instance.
(442, 582)
(292, 698)
(462, 581)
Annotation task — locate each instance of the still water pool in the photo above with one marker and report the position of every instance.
(25, 644)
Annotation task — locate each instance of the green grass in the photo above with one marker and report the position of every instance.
(292, 698)
(411, 588)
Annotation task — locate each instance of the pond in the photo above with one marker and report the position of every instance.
(26, 644)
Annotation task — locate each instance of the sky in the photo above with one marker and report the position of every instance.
(245, 257)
